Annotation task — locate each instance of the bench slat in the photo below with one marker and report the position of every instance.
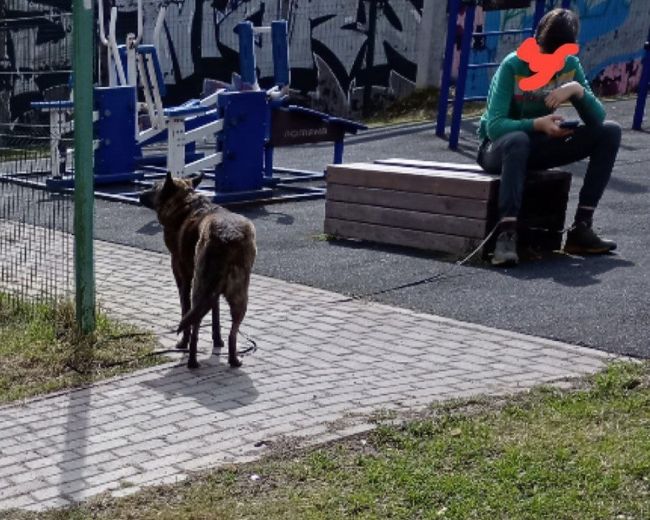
(434, 165)
(467, 185)
(400, 237)
(441, 204)
(533, 175)
(401, 218)
(411, 171)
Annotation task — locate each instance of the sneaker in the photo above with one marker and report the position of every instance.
(505, 250)
(582, 240)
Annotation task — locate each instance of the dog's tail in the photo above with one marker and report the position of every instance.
(194, 315)
(221, 267)
(207, 284)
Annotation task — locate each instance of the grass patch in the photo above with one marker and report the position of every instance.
(323, 237)
(17, 154)
(421, 105)
(550, 454)
(41, 350)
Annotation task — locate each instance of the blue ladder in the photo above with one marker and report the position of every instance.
(644, 84)
(465, 66)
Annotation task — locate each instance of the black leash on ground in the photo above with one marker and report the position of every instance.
(251, 349)
(355, 297)
(253, 345)
(441, 275)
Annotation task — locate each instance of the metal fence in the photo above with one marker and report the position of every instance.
(35, 225)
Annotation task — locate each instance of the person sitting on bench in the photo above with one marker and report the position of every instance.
(519, 131)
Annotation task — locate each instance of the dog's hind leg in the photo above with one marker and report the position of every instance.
(238, 305)
(202, 302)
(217, 342)
(184, 296)
(192, 362)
(185, 307)
(192, 320)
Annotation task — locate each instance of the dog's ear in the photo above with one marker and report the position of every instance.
(168, 185)
(196, 179)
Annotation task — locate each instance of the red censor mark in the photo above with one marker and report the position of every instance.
(544, 65)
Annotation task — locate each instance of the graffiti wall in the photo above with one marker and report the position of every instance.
(612, 33)
(327, 45)
(328, 42)
(35, 44)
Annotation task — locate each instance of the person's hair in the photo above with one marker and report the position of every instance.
(556, 28)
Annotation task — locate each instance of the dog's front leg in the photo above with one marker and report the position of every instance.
(217, 342)
(184, 295)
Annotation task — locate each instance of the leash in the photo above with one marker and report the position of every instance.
(441, 275)
(252, 348)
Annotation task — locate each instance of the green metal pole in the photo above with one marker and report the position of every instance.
(83, 35)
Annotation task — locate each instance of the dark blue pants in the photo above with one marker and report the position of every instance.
(513, 154)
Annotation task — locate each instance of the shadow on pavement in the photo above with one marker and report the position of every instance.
(616, 183)
(570, 271)
(214, 385)
(624, 186)
(262, 212)
(364, 246)
(150, 228)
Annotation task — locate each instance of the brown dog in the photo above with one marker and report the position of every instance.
(212, 251)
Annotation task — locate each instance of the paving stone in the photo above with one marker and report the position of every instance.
(322, 358)
(21, 502)
(52, 503)
(22, 489)
(125, 491)
(40, 474)
(138, 447)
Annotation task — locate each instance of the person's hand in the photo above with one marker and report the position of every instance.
(550, 126)
(563, 94)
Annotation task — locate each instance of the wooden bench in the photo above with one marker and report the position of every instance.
(435, 206)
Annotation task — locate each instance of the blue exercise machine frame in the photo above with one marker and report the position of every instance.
(644, 85)
(245, 124)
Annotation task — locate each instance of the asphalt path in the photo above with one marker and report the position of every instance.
(600, 302)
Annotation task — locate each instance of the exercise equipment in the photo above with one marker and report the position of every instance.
(244, 123)
(465, 66)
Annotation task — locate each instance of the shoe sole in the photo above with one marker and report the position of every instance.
(511, 262)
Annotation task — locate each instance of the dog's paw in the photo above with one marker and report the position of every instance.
(234, 362)
(193, 364)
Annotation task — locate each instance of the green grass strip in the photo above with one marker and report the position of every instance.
(550, 454)
(41, 350)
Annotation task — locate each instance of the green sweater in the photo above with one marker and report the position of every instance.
(510, 109)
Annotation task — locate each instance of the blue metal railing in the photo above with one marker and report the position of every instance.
(644, 85)
(465, 65)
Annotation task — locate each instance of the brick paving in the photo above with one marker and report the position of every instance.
(324, 363)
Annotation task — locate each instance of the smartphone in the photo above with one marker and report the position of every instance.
(573, 123)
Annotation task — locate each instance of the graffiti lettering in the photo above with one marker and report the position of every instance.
(328, 44)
